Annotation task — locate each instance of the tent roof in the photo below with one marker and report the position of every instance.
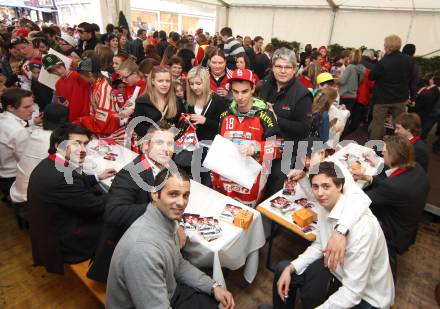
(418, 5)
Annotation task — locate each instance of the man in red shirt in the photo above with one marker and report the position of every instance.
(71, 89)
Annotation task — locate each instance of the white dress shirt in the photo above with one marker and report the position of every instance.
(35, 151)
(366, 274)
(13, 138)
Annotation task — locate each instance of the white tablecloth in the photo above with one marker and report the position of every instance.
(235, 248)
(95, 162)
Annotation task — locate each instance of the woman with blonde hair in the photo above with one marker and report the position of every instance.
(204, 108)
(203, 105)
(159, 101)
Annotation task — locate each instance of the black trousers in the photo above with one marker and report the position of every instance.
(6, 184)
(186, 297)
(316, 284)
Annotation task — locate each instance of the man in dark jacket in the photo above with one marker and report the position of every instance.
(263, 61)
(136, 47)
(393, 75)
(129, 195)
(64, 213)
(87, 37)
(163, 43)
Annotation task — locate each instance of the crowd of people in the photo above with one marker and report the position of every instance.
(258, 97)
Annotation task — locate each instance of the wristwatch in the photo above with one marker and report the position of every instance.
(341, 230)
(215, 285)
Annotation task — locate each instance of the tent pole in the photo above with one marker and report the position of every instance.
(334, 8)
(413, 15)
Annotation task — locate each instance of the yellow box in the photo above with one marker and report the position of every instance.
(243, 218)
(304, 217)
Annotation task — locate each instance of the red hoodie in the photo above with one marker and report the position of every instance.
(76, 93)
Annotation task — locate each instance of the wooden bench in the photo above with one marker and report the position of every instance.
(97, 288)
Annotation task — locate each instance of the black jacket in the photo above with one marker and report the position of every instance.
(126, 202)
(90, 45)
(210, 128)
(421, 154)
(43, 95)
(398, 204)
(64, 217)
(144, 107)
(292, 105)
(161, 46)
(136, 48)
(393, 75)
(262, 63)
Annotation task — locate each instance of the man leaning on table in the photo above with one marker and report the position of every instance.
(129, 194)
(147, 269)
(365, 281)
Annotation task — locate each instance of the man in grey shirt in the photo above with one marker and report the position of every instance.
(147, 269)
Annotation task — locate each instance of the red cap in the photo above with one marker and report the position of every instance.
(242, 74)
(322, 47)
(23, 32)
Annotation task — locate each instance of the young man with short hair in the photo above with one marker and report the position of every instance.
(87, 37)
(231, 46)
(409, 125)
(248, 123)
(365, 280)
(129, 194)
(147, 269)
(71, 90)
(27, 52)
(18, 106)
(64, 212)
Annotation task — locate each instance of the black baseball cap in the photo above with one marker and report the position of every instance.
(50, 60)
(88, 65)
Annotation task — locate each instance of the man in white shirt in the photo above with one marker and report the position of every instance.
(365, 280)
(36, 150)
(18, 105)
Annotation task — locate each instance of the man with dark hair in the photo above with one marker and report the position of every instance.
(163, 43)
(248, 123)
(129, 194)
(408, 125)
(87, 37)
(36, 149)
(231, 46)
(18, 106)
(108, 31)
(410, 50)
(64, 212)
(136, 47)
(27, 52)
(147, 268)
(365, 280)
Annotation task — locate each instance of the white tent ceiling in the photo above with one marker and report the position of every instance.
(350, 23)
(430, 5)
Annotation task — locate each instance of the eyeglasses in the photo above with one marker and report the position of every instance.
(281, 67)
(80, 31)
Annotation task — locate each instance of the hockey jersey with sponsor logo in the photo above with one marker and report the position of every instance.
(258, 128)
